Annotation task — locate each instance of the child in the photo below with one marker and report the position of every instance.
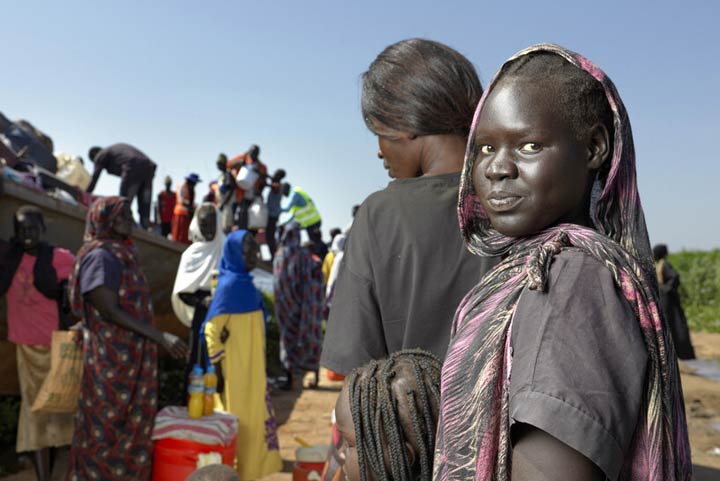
(387, 415)
(559, 366)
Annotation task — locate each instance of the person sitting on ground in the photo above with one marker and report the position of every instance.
(214, 472)
(135, 170)
(386, 415)
(559, 366)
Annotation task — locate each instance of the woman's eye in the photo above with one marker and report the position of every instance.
(531, 148)
(487, 149)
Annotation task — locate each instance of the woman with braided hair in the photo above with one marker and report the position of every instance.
(386, 417)
(560, 365)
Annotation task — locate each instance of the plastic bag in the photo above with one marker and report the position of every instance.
(61, 389)
(246, 178)
(257, 215)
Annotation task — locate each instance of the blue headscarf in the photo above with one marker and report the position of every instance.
(235, 293)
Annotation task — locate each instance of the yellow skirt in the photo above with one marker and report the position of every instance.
(38, 430)
(246, 393)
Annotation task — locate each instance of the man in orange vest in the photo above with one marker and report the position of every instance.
(184, 209)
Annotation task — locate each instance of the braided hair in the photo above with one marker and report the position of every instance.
(408, 380)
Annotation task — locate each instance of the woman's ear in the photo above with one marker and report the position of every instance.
(598, 146)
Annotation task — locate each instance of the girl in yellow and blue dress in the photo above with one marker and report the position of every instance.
(235, 335)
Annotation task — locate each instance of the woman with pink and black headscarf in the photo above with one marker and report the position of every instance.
(118, 397)
(560, 365)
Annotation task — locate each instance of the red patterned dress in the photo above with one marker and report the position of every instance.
(118, 399)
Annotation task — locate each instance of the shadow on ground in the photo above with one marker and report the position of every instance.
(702, 473)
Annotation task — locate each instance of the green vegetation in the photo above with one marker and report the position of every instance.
(9, 410)
(699, 287)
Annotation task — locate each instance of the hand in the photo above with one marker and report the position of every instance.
(224, 335)
(174, 345)
(207, 300)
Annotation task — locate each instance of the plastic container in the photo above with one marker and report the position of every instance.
(334, 376)
(211, 381)
(196, 390)
(310, 463)
(175, 459)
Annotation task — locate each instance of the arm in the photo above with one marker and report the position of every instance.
(355, 332)
(537, 456)
(105, 300)
(95, 177)
(295, 200)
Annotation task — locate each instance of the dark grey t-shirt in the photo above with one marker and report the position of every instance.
(579, 361)
(100, 267)
(406, 270)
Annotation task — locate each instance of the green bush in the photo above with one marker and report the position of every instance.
(699, 287)
(9, 412)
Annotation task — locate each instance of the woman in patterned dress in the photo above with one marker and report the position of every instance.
(118, 398)
(299, 302)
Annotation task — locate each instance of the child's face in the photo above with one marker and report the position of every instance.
(531, 171)
(347, 453)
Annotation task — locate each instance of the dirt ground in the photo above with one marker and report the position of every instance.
(306, 414)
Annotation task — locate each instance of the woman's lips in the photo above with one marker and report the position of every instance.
(503, 202)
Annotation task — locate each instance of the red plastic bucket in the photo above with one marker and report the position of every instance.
(176, 459)
(302, 470)
(334, 376)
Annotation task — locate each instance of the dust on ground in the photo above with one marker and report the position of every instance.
(305, 414)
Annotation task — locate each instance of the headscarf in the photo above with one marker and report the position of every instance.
(196, 264)
(99, 234)
(473, 437)
(235, 292)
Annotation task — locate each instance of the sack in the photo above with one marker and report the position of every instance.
(61, 389)
(72, 171)
(257, 215)
(246, 178)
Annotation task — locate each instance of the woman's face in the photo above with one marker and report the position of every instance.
(29, 229)
(531, 171)
(123, 223)
(347, 454)
(207, 221)
(400, 153)
(250, 252)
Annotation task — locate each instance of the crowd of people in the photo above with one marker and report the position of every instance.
(497, 308)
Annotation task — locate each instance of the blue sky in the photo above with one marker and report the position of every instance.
(184, 81)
